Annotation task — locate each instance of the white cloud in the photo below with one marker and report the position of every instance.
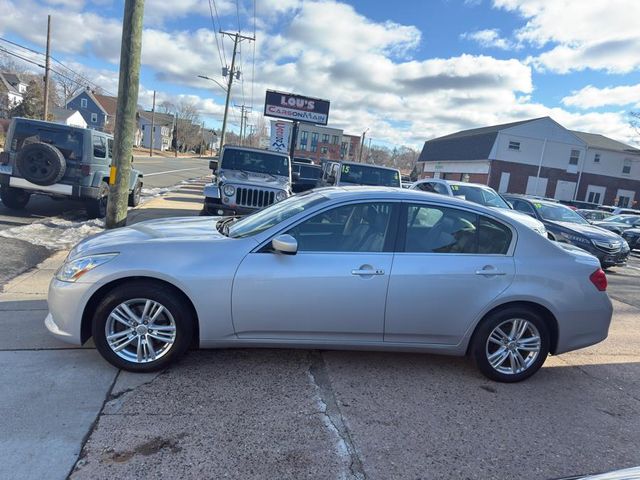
(593, 97)
(582, 34)
(489, 38)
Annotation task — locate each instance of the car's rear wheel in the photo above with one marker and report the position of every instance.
(97, 207)
(510, 345)
(135, 195)
(142, 327)
(14, 198)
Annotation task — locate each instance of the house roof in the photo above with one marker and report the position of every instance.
(473, 144)
(595, 140)
(158, 118)
(6, 82)
(108, 103)
(12, 78)
(62, 113)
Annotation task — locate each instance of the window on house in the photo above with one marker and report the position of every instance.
(596, 158)
(314, 142)
(593, 197)
(83, 103)
(324, 150)
(514, 146)
(575, 156)
(304, 136)
(335, 140)
(325, 138)
(94, 118)
(343, 149)
(626, 168)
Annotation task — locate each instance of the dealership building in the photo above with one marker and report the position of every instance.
(538, 157)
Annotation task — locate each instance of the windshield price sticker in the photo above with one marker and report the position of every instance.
(455, 187)
(346, 168)
(537, 205)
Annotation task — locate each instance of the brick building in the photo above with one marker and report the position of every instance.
(318, 142)
(538, 157)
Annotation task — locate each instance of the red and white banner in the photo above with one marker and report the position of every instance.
(280, 136)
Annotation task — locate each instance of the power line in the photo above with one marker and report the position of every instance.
(253, 60)
(215, 32)
(238, 14)
(215, 9)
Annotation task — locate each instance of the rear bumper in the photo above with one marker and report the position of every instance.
(57, 189)
(585, 326)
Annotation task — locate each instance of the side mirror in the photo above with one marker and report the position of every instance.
(331, 179)
(295, 176)
(285, 244)
(213, 164)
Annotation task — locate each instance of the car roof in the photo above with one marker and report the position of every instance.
(305, 164)
(252, 149)
(367, 165)
(536, 200)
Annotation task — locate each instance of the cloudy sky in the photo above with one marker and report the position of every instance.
(407, 70)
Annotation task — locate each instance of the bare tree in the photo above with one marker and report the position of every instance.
(188, 131)
(11, 64)
(634, 121)
(68, 85)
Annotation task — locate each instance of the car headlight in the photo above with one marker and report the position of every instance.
(281, 195)
(576, 238)
(229, 190)
(72, 270)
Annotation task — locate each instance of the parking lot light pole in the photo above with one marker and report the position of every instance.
(128, 86)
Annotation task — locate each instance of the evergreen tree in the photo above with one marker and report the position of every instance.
(32, 105)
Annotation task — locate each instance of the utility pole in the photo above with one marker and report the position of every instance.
(128, 86)
(243, 121)
(364, 134)
(153, 123)
(237, 38)
(46, 70)
(175, 134)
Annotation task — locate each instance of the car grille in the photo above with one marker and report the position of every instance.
(253, 197)
(608, 247)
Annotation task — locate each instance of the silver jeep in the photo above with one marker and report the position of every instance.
(247, 179)
(59, 161)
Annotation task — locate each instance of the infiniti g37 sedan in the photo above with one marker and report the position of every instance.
(366, 268)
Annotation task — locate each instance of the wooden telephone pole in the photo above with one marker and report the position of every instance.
(128, 86)
(153, 124)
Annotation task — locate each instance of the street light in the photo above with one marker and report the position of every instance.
(214, 81)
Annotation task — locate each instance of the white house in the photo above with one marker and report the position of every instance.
(73, 118)
(539, 157)
(162, 130)
(12, 89)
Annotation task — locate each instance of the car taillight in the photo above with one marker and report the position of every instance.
(599, 279)
(86, 170)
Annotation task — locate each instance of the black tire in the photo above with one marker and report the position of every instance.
(97, 207)
(135, 195)
(172, 301)
(14, 198)
(41, 163)
(481, 347)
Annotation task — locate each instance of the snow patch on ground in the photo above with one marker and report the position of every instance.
(55, 233)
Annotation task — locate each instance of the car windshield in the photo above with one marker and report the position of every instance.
(483, 196)
(558, 213)
(276, 213)
(367, 175)
(68, 141)
(250, 161)
(628, 219)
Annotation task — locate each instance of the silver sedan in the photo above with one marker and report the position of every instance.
(339, 268)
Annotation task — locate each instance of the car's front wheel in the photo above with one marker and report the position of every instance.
(510, 345)
(142, 327)
(135, 195)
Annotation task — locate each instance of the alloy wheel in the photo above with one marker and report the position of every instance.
(513, 346)
(140, 330)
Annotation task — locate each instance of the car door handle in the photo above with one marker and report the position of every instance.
(367, 271)
(488, 272)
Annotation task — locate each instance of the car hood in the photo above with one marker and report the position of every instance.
(590, 231)
(187, 228)
(253, 178)
(620, 225)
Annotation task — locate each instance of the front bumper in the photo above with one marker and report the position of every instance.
(632, 240)
(66, 305)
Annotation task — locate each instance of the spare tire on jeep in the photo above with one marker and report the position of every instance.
(41, 163)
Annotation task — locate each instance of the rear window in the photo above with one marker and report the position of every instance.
(68, 141)
(312, 173)
(366, 175)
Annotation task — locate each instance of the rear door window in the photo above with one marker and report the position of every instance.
(68, 141)
(99, 147)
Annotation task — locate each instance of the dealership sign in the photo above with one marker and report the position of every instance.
(296, 107)
(280, 134)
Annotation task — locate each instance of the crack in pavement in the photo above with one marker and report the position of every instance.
(334, 420)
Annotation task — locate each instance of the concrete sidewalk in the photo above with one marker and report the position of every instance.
(52, 392)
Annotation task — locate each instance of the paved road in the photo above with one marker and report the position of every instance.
(19, 256)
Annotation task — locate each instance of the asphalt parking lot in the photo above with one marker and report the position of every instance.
(312, 414)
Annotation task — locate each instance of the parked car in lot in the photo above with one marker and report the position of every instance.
(593, 215)
(565, 225)
(146, 292)
(59, 161)
(245, 180)
(632, 236)
(351, 173)
(477, 193)
(305, 176)
(619, 223)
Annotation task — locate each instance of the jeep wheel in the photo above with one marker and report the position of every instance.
(97, 207)
(136, 193)
(41, 163)
(14, 198)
